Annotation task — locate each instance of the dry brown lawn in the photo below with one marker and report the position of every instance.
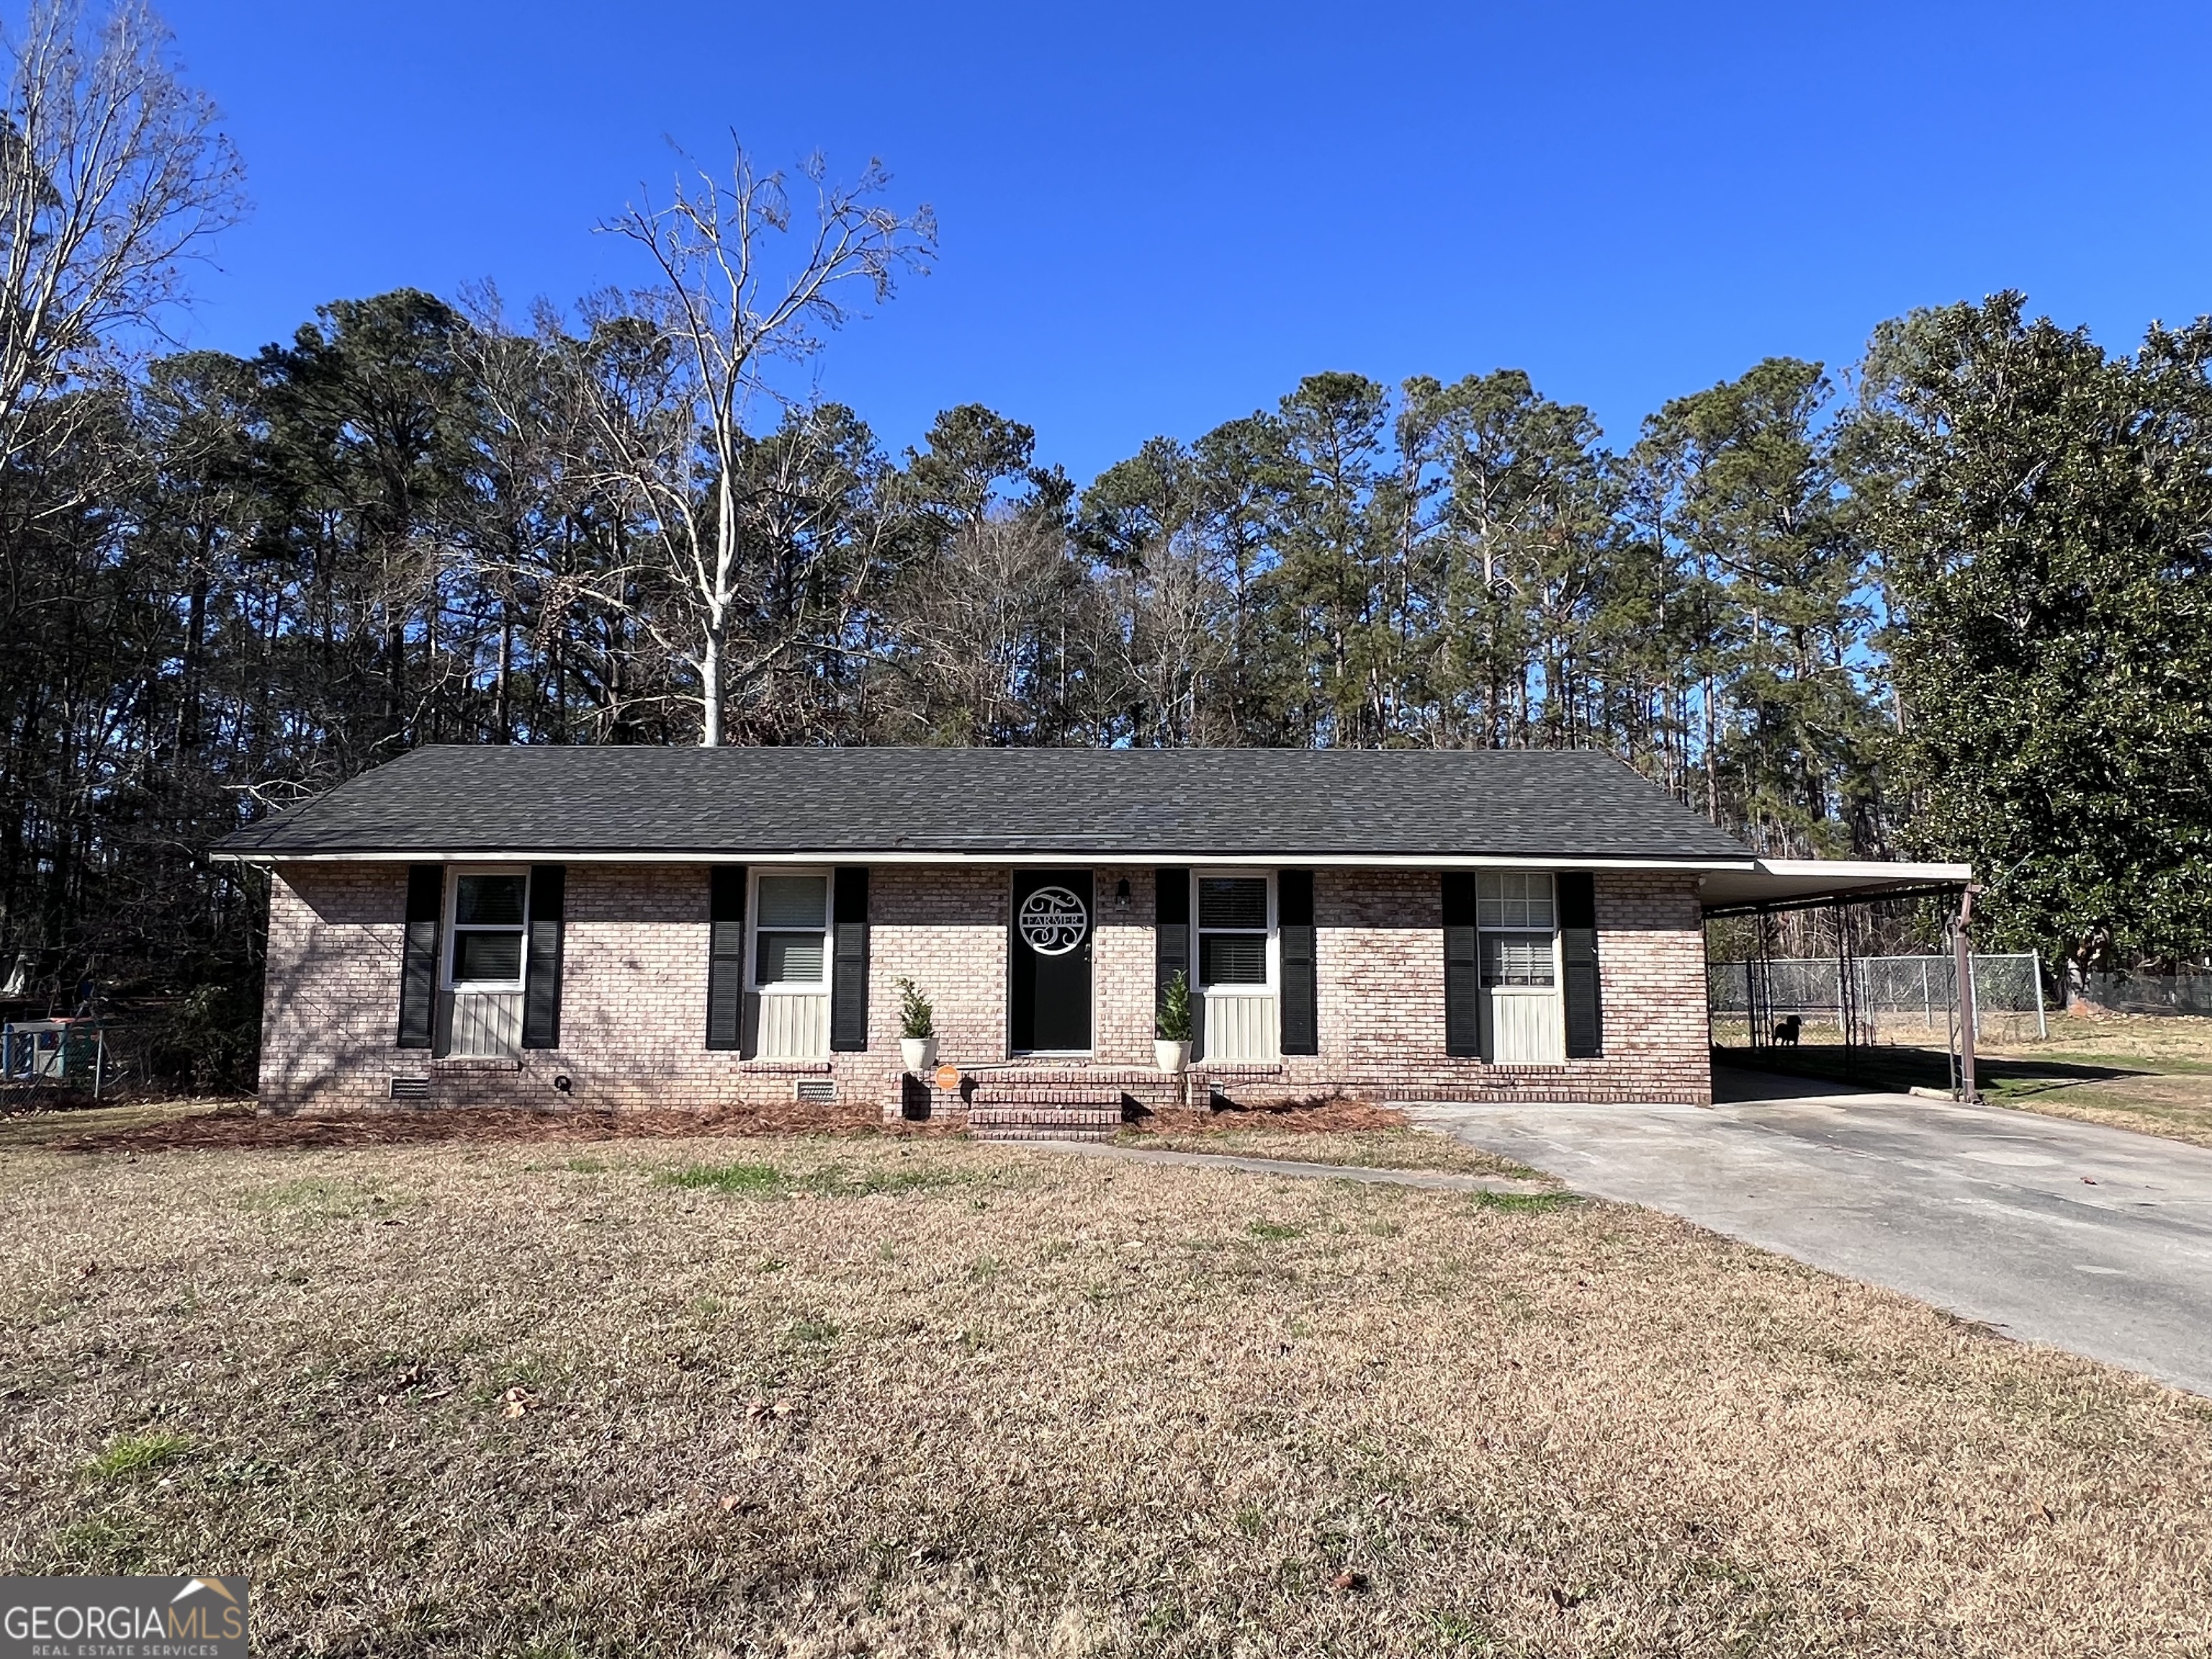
(913, 1396)
(1400, 1148)
(2157, 1073)
(2178, 1106)
(2123, 1038)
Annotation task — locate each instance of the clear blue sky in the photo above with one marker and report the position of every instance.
(1158, 217)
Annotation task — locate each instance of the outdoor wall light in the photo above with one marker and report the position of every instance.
(1121, 894)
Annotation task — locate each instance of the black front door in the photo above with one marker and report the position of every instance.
(1050, 960)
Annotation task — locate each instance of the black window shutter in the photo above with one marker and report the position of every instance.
(1294, 926)
(418, 961)
(726, 956)
(848, 975)
(1578, 961)
(541, 984)
(1463, 976)
(1170, 935)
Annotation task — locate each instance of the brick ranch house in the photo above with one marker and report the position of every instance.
(558, 927)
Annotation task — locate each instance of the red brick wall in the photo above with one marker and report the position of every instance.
(1121, 970)
(634, 987)
(330, 995)
(1379, 960)
(943, 927)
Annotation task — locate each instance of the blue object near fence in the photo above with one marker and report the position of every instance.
(49, 1050)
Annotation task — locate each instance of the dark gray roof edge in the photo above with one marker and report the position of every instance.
(1561, 806)
(860, 852)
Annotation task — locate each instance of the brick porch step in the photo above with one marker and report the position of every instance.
(1093, 1119)
(1044, 1094)
(1026, 1084)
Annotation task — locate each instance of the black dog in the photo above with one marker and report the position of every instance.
(1786, 1030)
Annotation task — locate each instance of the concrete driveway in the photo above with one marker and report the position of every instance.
(2093, 1239)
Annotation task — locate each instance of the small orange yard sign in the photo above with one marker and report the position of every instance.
(948, 1077)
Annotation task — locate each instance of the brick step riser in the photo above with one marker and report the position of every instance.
(1129, 1080)
(1041, 1134)
(1103, 1099)
(1022, 1117)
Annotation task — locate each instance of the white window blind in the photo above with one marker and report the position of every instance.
(1232, 930)
(1516, 959)
(792, 927)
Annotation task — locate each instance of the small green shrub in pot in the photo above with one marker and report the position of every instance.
(1171, 1047)
(1174, 1023)
(917, 1029)
(917, 1015)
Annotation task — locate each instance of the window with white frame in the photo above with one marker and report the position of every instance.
(791, 931)
(1233, 933)
(1515, 913)
(489, 910)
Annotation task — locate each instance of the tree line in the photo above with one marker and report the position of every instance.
(1956, 606)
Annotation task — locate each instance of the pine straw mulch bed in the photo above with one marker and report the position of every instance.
(240, 1126)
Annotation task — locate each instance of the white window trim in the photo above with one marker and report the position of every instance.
(1273, 936)
(454, 928)
(753, 930)
(1558, 986)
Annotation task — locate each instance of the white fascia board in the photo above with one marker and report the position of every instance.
(1866, 870)
(1000, 860)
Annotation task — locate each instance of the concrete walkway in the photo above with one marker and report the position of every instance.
(1435, 1180)
(2088, 1238)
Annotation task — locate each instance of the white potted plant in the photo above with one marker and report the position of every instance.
(1171, 1047)
(917, 1030)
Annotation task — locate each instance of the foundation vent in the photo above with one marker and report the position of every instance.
(816, 1091)
(409, 1088)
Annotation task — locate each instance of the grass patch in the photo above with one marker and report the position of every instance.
(137, 1454)
(1114, 1410)
(1523, 1203)
(99, 1544)
(1378, 1149)
(839, 1181)
(833, 1180)
(745, 1178)
(320, 1198)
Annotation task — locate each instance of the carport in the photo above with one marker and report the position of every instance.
(1844, 891)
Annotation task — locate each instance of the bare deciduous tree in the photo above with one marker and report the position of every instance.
(725, 308)
(112, 174)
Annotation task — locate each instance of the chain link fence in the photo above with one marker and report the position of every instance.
(1898, 999)
(2149, 994)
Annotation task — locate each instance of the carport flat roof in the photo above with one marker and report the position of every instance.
(1789, 883)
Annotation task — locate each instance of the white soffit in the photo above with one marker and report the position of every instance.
(1781, 881)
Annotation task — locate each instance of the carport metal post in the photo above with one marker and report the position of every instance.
(1962, 947)
(1847, 1001)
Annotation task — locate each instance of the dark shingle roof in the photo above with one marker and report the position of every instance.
(1558, 806)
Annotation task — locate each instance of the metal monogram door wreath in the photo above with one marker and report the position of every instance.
(1053, 921)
